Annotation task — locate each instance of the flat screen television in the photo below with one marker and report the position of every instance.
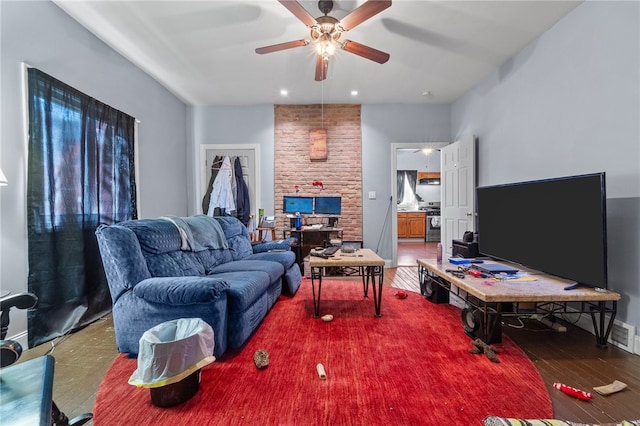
(293, 204)
(557, 226)
(328, 205)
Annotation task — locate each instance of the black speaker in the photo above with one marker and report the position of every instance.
(433, 291)
(473, 321)
(464, 249)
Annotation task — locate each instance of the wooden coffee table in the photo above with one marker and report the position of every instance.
(547, 295)
(370, 262)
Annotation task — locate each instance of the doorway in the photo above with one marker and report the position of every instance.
(249, 155)
(413, 156)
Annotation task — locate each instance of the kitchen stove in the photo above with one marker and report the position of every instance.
(433, 221)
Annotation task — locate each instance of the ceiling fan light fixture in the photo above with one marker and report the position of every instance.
(325, 32)
(325, 47)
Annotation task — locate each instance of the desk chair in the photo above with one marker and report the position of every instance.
(10, 351)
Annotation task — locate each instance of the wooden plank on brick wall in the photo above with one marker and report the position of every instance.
(318, 144)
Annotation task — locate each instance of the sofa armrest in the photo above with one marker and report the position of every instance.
(279, 245)
(181, 290)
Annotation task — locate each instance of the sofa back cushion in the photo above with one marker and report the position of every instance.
(237, 237)
(174, 264)
(156, 236)
(160, 242)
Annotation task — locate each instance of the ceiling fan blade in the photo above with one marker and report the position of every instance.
(365, 51)
(281, 46)
(322, 65)
(364, 12)
(300, 12)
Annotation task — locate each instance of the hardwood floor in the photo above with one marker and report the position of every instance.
(571, 358)
(409, 251)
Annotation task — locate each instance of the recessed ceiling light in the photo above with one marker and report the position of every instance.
(284, 92)
(426, 93)
(354, 93)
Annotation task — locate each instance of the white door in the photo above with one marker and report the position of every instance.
(250, 169)
(458, 184)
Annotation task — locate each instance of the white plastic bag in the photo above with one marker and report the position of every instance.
(171, 351)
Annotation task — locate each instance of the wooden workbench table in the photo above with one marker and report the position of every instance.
(545, 294)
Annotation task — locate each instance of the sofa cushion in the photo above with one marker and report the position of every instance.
(155, 236)
(244, 288)
(278, 245)
(285, 258)
(274, 269)
(237, 237)
(211, 258)
(181, 291)
(174, 264)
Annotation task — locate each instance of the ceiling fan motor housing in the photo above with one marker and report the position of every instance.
(326, 25)
(325, 6)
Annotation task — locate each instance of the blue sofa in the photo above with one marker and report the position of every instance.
(196, 267)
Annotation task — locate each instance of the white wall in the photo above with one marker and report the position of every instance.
(42, 35)
(569, 104)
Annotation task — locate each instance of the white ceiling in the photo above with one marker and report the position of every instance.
(203, 51)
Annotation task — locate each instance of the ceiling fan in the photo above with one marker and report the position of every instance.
(326, 30)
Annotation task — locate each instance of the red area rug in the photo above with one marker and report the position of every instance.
(409, 367)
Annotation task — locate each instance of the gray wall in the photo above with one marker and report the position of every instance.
(383, 125)
(235, 125)
(42, 35)
(568, 104)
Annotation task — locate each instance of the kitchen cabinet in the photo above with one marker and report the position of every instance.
(411, 224)
(428, 178)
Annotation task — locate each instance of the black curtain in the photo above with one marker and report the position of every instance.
(81, 173)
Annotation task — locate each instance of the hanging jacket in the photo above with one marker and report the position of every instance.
(215, 167)
(221, 194)
(243, 204)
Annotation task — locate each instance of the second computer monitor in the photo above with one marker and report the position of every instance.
(329, 205)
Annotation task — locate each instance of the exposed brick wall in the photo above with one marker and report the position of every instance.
(341, 172)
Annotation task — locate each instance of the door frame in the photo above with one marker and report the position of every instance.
(203, 179)
(394, 170)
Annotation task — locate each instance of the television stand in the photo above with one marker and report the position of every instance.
(546, 295)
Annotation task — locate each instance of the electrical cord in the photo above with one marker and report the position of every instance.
(384, 225)
(55, 343)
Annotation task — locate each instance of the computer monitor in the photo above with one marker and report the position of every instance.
(330, 205)
(292, 204)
